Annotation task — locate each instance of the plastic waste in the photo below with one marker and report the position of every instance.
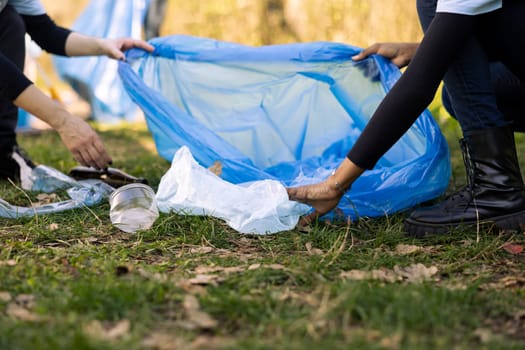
(258, 207)
(112, 176)
(47, 179)
(133, 207)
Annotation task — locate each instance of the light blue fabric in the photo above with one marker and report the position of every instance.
(95, 78)
(27, 7)
(285, 112)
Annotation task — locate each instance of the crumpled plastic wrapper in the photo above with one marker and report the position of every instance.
(258, 207)
(47, 179)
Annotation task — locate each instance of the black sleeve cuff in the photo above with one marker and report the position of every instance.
(47, 34)
(13, 81)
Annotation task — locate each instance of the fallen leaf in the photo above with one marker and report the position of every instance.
(520, 315)
(254, 267)
(197, 318)
(120, 329)
(203, 270)
(384, 275)
(405, 249)
(211, 342)
(216, 168)
(275, 266)
(25, 300)
(52, 227)
(201, 250)
(162, 341)
(416, 273)
(44, 198)
(391, 342)
(513, 248)
(411, 273)
(5, 297)
(205, 279)
(190, 303)
(10, 262)
(22, 313)
(311, 250)
(484, 335)
(153, 276)
(509, 282)
(468, 242)
(113, 332)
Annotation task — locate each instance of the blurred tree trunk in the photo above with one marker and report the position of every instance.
(273, 23)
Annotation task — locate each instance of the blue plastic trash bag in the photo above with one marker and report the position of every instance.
(95, 78)
(284, 112)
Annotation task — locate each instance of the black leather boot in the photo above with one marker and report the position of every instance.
(15, 164)
(494, 194)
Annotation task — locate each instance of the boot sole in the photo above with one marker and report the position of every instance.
(510, 222)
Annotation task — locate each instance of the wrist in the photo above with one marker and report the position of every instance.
(101, 47)
(339, 185)
(58, 118)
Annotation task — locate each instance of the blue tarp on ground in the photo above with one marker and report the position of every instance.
(286, 112)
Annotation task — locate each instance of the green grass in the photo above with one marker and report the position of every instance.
(73, 281)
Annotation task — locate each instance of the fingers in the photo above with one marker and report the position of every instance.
(144, 45)
(366, 52)
(90, 156)
(96, 156)
(117, 54)
(87, 148)
(141, 44)
(292, 193)
(114, 47)
(309, 218)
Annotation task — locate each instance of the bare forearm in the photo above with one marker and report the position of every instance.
(81, 45)
(37, 103)
(81, 140)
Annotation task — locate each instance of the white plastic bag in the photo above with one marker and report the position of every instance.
(258, 207)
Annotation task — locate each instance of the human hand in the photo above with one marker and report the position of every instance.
(83, 142)
(114, 48)
(322, 197)
(399, 53)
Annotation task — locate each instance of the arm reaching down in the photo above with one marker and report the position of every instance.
(81, 140)
(399, 109)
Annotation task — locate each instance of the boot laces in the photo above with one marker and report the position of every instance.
(471, 170)
(466, 193)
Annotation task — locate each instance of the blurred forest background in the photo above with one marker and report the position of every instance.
(261, 22)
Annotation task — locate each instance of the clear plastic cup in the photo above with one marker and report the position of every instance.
(133, 207)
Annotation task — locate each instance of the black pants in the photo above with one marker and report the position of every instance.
(476, 98)
(510, 96)
(12, 45)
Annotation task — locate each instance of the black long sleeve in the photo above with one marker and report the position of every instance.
(46, 33)
(416, 88)
(13, 81)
